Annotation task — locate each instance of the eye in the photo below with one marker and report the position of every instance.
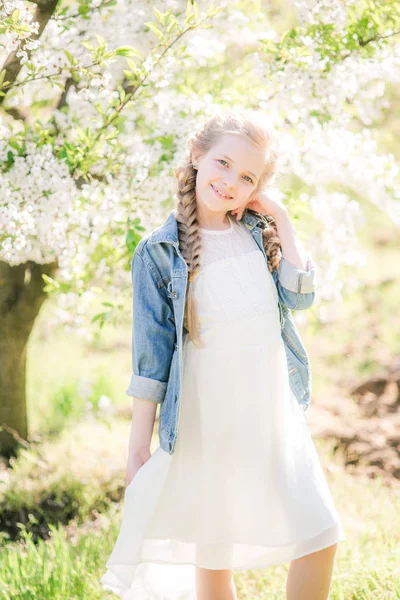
(221, 160)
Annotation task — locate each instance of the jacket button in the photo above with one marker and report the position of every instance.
(174, 295)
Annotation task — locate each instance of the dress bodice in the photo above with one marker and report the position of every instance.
(234, 282)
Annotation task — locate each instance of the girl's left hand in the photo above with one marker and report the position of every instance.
(260, 203)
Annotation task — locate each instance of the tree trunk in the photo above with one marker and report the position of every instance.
(21, 296)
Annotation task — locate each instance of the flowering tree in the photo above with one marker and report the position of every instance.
(97, 100)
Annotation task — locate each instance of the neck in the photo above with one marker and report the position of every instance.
(207, 219)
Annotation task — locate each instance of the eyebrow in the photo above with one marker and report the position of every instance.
(254, 175)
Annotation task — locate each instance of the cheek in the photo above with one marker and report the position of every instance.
(211, 174)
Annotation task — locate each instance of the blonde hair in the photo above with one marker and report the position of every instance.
(254, 126)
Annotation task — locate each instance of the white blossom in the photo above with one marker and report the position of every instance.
(45, 216)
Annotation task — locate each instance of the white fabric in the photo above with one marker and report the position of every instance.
(244, 488)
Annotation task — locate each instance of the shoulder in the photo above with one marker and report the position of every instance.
(159, 238)
(141, 248)
(156, 257)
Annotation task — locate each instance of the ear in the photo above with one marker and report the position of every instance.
(195, 156)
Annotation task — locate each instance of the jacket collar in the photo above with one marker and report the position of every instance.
(168, 231)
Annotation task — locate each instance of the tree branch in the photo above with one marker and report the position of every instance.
(13, 65)
(15, 113)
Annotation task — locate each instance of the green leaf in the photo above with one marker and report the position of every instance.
(101, 40)
(128, 51)
(10, 158)
(99, 108)
(159, 15)
(87, 45)
(51, 284)
(132, 240)
(13, 143)
(172, 23)
(153, 27)
(100, 317)
(69, 56)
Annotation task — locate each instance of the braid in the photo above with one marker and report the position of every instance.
(189, 239)
(270, 240)
(271, 243)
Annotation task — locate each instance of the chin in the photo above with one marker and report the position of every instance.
(212, 206)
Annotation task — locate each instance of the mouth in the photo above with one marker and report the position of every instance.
(219, 194)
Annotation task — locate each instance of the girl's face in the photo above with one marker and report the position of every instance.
(233, 167)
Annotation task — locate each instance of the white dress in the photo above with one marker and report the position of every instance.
(244, 488)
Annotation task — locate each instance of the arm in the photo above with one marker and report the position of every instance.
(292, 249)
(153, 335)
(153, 332)
(296, 275)
(143, 417)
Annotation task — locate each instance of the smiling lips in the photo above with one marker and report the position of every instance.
(219, 194)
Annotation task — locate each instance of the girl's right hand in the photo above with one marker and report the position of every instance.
(135, 461)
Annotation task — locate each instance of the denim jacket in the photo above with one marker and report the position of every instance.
(159, 279)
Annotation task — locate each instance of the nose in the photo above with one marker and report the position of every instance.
(229, 181)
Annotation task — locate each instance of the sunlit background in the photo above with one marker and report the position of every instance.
(97, 101)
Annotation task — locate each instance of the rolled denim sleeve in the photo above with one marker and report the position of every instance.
(153, 334)
(296, 287)
(297, 280)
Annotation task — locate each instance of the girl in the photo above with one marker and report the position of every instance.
(236, 482)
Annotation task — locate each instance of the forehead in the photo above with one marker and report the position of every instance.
(241, 151)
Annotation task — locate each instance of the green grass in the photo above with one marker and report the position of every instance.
(78, 472)
(67, 376)
(70, 563)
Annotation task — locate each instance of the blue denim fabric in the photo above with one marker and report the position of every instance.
(159, 279)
